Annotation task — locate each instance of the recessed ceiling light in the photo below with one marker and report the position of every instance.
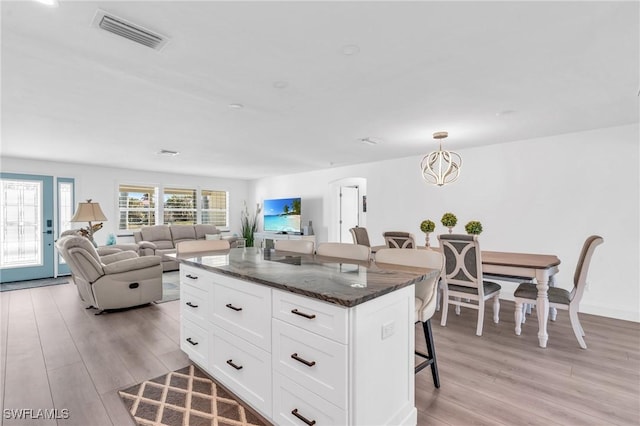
(51, 3)
(236, 106)
(370, 141)
(350, 49)
(280, 84)
(167, 152)
(505, 112)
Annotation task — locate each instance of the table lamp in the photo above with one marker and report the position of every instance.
(89, 212)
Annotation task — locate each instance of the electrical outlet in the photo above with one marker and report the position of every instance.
(388, 329)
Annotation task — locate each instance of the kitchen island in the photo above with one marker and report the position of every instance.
(303, 339)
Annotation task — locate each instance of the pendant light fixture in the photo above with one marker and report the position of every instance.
(441, 167)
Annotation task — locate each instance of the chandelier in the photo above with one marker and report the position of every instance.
(441, 167)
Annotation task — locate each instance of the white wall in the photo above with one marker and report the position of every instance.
(101, 185)
(540, 196)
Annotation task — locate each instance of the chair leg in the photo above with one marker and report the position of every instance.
(518, 316)
(431, 351)
(577, 327)
(496, 308)
(480, 317)
(445, 306)
(458, 306)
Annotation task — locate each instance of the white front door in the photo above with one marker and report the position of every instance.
(349, 201)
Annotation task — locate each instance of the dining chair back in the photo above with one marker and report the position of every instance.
(559, 298)
(398, 239)
(197, 246)
(344, 250)
(425, 295)
(463, 284)
(295, 246)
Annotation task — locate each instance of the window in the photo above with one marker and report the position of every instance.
(215, 207)
(180, 206)
(137, 206)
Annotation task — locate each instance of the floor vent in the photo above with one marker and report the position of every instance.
(128, 30)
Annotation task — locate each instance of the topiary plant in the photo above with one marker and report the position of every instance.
(473, 228)
(427, 226)
(449, 220)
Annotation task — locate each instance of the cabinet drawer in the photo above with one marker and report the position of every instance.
(290, 398)
(196, 277)
(194, 341)
(243, 368)
(243, 309)
(318, 317)
(194, 303)
(313, 361)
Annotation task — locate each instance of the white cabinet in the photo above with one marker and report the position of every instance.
(261, 237)
(299, 360)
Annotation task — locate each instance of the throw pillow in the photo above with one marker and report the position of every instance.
(212, 236)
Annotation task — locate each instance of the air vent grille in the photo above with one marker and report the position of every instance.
(128, 30)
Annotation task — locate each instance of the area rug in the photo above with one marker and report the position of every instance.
(170, 286)
(20, 285)
(185, 397)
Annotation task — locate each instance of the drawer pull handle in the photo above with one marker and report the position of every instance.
(230, 306)
(191, 341)
(193, 277)
(303, 418)
(302, 314)
(237, 367)
(304, 361)
(191, 305)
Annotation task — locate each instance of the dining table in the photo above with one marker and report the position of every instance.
(540, 267)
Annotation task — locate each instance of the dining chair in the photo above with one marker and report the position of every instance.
(559, 298)
(361, 236)
(425, 296)
(295, 246)
(398, 239)
(197, 246)
(463, 283)
(344, 250)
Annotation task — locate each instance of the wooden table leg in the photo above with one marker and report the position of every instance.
(542, 306)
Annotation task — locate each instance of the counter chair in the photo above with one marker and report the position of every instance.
(462, 283)
(559, 298)
(425, 296)
(345, 251)
(398, 239)
(295, 246)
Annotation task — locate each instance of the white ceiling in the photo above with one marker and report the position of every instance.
(72, 92)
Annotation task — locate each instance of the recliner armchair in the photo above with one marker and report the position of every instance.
(114, 281)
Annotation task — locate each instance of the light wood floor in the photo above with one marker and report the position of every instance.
(55, 354)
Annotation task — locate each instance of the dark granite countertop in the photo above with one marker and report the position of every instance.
(340, 281)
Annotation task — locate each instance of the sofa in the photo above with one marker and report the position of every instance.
(158, 240)
(113, 281)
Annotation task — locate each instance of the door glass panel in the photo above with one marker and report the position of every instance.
(20, 219)
(65, 212)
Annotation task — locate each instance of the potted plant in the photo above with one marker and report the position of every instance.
(427, 226)
(249, 224)
(473, 228)
(449, 220)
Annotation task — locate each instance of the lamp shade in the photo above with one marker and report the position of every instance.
(88, 212)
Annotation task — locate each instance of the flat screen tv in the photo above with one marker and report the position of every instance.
(282, 215)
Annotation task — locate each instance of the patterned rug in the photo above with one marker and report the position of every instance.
(20, 285)
(186, 397)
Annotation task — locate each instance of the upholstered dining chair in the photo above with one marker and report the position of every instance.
(425, 296)
(559, 298)
(184, 248)
(344, 250)
(398, 239)
(462, 281)
(295, 246)
(361, 236)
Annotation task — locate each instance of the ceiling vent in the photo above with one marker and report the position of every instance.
(129, 30)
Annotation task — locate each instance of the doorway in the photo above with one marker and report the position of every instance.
(349, 207)
(30, 204)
